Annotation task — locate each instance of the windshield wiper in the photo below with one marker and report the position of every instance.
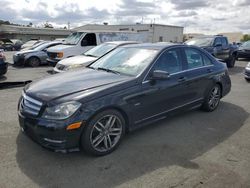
(108, 70)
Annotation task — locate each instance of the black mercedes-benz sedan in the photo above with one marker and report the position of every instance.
(131, 86)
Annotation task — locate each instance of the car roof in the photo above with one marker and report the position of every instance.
(154, 46)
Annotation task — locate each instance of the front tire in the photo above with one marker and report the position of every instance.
(103, 134)
(34, 62)
(212, 99)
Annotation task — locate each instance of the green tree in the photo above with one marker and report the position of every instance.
(246, 37)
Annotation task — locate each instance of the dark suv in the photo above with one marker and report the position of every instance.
(218, 46)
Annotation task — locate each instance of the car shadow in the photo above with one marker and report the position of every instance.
(236, 70)
(176, 140)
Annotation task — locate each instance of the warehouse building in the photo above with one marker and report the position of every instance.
(28, 33)
(154, 32)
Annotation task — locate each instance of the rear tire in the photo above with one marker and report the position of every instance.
(103, 134)
(34, 61)
(212, 99)
(231, 61)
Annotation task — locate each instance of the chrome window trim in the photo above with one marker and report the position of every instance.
(183, 71)
(146, 81)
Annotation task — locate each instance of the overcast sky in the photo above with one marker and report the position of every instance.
(207, 16)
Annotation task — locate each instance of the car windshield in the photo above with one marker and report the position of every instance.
(42, 46)
(200, 41)
(246, 44)
(100, 50)
(128, 61)
(73, 38)
(37, 45)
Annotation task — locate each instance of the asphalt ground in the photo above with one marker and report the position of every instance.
(191, 149)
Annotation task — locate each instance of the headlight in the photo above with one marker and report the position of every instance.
(61, 111)
(59, 55)
(73, 66)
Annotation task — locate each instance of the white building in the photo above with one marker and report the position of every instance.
(26, 33)
(154, 32)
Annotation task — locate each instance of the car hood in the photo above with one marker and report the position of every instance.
(64, 84)
(60, 47)
(76, 60)
(25, 51)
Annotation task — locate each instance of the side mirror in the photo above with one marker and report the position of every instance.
(160, 75)
(84, 43)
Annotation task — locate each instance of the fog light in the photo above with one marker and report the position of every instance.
(74, 126)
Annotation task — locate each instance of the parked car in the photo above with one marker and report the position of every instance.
(131, 86)
(6, 44)
(244, 50)
(247, 72)
(79, 42)
(3, 64)
(17, 44)
(89, 56)
(218, 46)
(34, 56)
(30, 43)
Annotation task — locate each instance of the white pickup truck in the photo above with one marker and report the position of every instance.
(79, 42)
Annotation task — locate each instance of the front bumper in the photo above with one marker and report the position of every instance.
(247, 73)
(18, 60)
(51, 134)
(53, 61)
(57, 70)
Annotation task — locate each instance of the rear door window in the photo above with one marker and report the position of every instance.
(196, 58)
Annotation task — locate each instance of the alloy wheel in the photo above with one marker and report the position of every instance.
(106, 133)
(214, 97)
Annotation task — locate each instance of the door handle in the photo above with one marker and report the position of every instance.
(182, 79)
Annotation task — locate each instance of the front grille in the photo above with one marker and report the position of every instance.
(30, 105)
(52, 55)
(60, 66)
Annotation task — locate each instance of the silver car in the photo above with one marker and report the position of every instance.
(34, 56)
(89, 56)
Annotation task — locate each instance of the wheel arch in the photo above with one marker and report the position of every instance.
(221, 87)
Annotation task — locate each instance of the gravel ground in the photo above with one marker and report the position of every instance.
(192, 149)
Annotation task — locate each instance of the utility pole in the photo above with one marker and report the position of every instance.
(68, 25)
